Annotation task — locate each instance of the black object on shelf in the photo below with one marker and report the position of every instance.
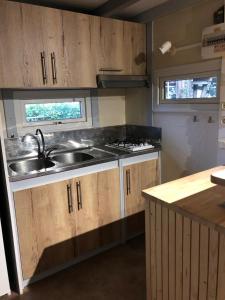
(219, 16)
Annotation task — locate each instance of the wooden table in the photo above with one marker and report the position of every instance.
(185, 239)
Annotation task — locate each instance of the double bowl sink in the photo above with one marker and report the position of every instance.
(58, 162)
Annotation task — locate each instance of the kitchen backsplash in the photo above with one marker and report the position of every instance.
(86, 137)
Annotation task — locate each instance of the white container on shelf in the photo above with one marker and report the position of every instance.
(4, 279)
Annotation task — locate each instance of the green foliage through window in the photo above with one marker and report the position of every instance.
(40, 112)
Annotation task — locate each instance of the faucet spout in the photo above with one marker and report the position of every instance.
(36, 140)
(38, 131)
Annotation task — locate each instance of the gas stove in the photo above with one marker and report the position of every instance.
(131, 145)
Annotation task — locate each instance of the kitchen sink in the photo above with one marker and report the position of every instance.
(28, 166)
(72, 157)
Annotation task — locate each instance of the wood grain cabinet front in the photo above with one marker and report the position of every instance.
(137, 177)
(60, 221)
(80, 41)
(46, 227)
(122, 48)
(32, 53)
(43, 47)
(97, 198)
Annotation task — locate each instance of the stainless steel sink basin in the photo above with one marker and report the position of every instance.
(28, 166)
(72, 157)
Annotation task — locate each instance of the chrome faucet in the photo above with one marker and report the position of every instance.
(42, 151)
(37, 141)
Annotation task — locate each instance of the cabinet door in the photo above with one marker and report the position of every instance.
(98, 209)
(54, 41)
(31, 51)
(109, 206)
(135, 48)
(87, 212)
(136, 178)
(80, 34)
(46, 227)
(111, 48)
(21, 45)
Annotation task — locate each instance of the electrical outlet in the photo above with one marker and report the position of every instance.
(223, 105)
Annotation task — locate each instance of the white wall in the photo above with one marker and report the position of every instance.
(111, 107)
(187, 146)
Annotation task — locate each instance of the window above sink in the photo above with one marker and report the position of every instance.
(53, 114)
(57, 112)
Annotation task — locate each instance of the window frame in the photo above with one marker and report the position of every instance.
(53, 122)
(212, 100)
(24, 127)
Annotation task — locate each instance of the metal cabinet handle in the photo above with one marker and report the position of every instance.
(69, 197)
(128, 182)
(110, 70)
(79, 195)
(54, 71)
(43, 66)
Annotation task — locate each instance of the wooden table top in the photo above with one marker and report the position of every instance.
(195, 195)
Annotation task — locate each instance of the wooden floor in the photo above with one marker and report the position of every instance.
(118, 274)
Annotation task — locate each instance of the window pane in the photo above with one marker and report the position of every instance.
(53, 111)
(194, 88)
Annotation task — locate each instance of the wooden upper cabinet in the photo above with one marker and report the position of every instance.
(135, 48)
(11, 62)
(31, 54)
(111, 55)
(136, 178)
(46, 227)
(54, 47)
(44, 47)
(79, 33)
(122, 47)
(21, 45)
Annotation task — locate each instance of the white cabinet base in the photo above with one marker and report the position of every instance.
(4, 280)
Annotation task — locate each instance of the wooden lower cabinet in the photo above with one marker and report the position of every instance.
(138, 177)
(57, 222)
(97, 201)
(45, 227)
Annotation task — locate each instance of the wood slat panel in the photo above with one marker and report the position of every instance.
(213, 264)
(165, 252)
(186, 258)
(221, 269)
(159, 251)
(179, 256)
(153, 250)
(194, 260)
(203, 266)
(172, 255)
(147, 250)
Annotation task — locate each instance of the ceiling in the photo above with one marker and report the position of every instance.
(140, 7)
(125, 9)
